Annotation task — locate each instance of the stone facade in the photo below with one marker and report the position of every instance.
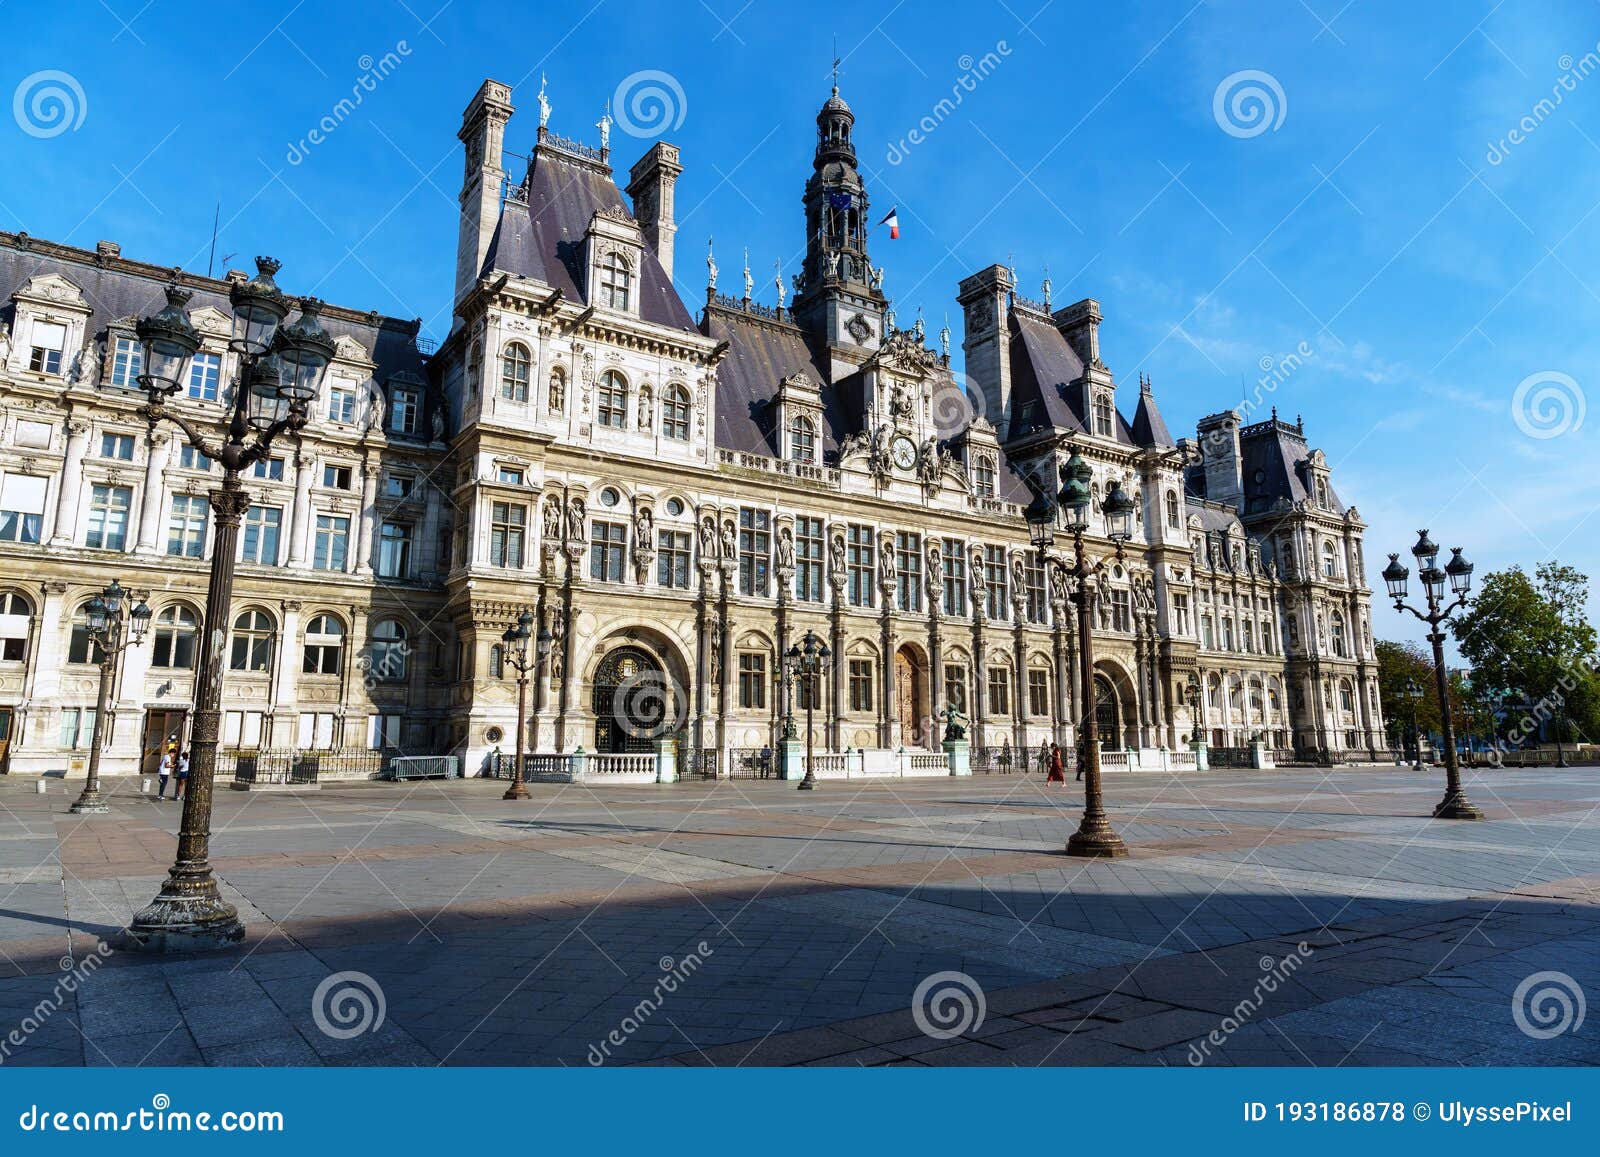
(676, 499)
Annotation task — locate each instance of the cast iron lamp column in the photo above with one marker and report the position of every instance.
(516, 653)
(1094, 837)
(105, 616)
(280, 370)
(809, 659)
(1454, 805)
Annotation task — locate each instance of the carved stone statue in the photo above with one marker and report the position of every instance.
(604, 125)
(5, 343)
(886, 561)
(954, 723)
(544, 102)
(552, 520)
(875, 276)
(836, 554)
(749, 281)
(437, 421)
(708, 537)
(644, 528)
(711, 265)
(785, 548)
(975, 576)
(730, 542)
(935, 568)
(577, 528)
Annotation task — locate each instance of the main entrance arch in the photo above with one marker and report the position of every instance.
(1107, 715)
(633, 702)
(911, 696)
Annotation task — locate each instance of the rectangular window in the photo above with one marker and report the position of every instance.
(808, 548)
(997, 582)
(908, 570)
(510, 476)
(608, 550)
(398, 485)
(999, 691)
(205, 374)
(860, 685)
(753, 682)
(242, 729)
(117, 446)
(1180, 614)
(191, 459)
(860, 564)
(49, 339)
(127, 363)
(1227, 634)
(336, 477)
(404, 409)
(108, 518)
(22, 507)
(1033, 578)
(333, 542)
(394, 551)
(755, 550)
(955, 577)
(383, 731)
(1121, 611)
(1039, 693)
(955, 687)
(186, 526)
(315, 732)
(258, 537)
(672, 559)
(270, 469)
(1249, 637)
(1208, 636)
(508, 527)
(77, 727)
(341, 405)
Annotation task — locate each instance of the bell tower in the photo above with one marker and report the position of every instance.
(839, 296)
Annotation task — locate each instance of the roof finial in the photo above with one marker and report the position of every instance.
(711, 265)
(917, 327)
(944, 339)
(749, 282)
(604, 125)
(1146, 386)
(836, 63)
(544, 101)
(777, 267)
(1046, 288)
(1274, 413)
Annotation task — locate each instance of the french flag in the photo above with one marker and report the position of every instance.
(893, 221)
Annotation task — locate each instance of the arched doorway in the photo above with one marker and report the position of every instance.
(1107, 715)
(634, 702)
(910, 691)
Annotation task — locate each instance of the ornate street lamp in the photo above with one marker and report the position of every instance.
(516, 653)
(808, 659)
(1413, 694)
(1094, 836)
(280, 370)
(107, 617)
(1458, 573)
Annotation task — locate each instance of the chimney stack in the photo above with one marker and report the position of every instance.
(483, 130)
(650, 184)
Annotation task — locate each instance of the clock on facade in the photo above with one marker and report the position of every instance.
(903, 452)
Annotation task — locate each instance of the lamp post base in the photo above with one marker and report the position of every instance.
(809, 783)
(90, 803)
(1096, 842)
(517, 790)
(1456, 806)
(185, 924)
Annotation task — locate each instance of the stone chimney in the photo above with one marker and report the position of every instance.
(650, 184)
(985, 297)
(483, 128)
(1079, 323)
(1220, 454)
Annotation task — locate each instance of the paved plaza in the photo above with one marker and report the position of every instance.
(1291, 917)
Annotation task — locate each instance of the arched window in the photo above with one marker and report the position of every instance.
(177, 631)
(389, 652)
(802, 439)
(558, 391)
(252, 641)
(675, 414)
(611, 409)
(616, 282)
(324, 646)
(82, 647)
(1330, 561)
(983, 476)
(1102, 416)
(515, 366)
(474, 368)
(1347, 697)
(16, 626)
(497, 662)
(1338, 635)
(1172, 509)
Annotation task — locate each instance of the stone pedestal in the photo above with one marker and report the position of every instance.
(791, 759)
(1201, 762)
(959, 754)
(577, 763)
(666, 760)
(1260, 757)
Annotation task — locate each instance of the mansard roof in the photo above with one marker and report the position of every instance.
(1044, 370)
(115, 288)
(761, 353)
(540, 233)
(1270, 454)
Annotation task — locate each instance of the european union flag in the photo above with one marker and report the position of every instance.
(839, 200)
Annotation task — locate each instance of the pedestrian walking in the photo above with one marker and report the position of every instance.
(1043, 758)
(1058, 773)
(1080, 760)
(164, 770)
(183, 775)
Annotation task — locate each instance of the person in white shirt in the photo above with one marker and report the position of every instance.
(165, 769)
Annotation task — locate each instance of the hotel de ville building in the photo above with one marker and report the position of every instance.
(677, 491)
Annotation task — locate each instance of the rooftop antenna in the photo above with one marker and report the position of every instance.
(215, 218)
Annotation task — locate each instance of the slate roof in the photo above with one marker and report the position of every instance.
(1268, 454)
(1149, 428)
(117, 288)
(1043, 367)
(542, 239)
(761, 354)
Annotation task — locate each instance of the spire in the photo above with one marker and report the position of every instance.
(1149, 428)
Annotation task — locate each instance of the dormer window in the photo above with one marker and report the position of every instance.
(405, 406)
(983, 477)
(49, 339)
(802, 439)
(1103, 425)
(616, 282)
(1322, 493)
(127, 363)
(675, 414)
(515, 365)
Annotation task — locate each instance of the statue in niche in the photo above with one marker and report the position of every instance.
(644, 528)
(730, 542)
(836, 555)
(576, 518)
(552, 520)
(935, 567)
(785, 548)
(708, 537)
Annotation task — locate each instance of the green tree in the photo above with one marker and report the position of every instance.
(1400, 663)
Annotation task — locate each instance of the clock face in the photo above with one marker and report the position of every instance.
(903, 452)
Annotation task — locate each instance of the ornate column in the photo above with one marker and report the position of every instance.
(71, 488)
(305, 463)
(369, 509)
(833, 709)
(725, 673)
(151, 502)
(1060, 660)
(1019, 645)
(702, 654)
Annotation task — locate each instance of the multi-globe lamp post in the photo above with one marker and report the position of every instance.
(280, 370)
(1094, 837)
(516, 654)
(113, 627)
(1458, 574)
(808, 660)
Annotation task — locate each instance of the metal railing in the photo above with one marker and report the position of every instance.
(752, 763)
(294, 766)
(1219, 757)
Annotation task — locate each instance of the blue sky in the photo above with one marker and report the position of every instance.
(1441, 274)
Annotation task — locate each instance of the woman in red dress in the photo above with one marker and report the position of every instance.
(1057, 772)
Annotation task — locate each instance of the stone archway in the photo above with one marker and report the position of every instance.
(911, 706)
(633, 702)
(1107, 714)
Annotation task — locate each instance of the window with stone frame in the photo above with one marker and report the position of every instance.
(48, 344)
(1121, 609)
(186, 525)
(394, 550)
(258, 537)
(755, 550)
(997, 583)
(177, 636)
(616, 282)
(1033, 579)
(955, 687)
(1173, 520)
(108, 517)
(1038, 692)
(983, 476)
(809, 545)
(752, 681)
(675, 414)
(516, 366)
(999, 691)
(331, 551)
(127, 362)
(673, 559)
(508, 529)
(611, 400)
(323, 649)
(1104, 420)
(205, 376)
(16, 626)
(861, 683)
(802, 439)
(908, 570)
(953, 555)
(251, 646)
(405, 410)
(608, 549)
(861, 565)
